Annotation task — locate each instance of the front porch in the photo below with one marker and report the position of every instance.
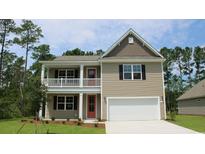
(84, 106)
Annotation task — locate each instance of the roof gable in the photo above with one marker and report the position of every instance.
(197, 91)
(140, 47)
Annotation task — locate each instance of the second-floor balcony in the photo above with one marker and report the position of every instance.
(72, 82)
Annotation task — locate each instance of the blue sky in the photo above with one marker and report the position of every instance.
(100, 34)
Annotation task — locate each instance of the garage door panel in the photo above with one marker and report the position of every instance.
(133, 109)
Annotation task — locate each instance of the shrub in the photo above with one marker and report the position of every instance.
(96, 125)
(36, 118)
(79, 123)
(23, 120)
(173, 115)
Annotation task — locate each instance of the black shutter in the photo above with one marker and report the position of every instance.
(56, 73)
(76, 73)
(54, 102)
(121, 72)
(143, 72)
(75, 102)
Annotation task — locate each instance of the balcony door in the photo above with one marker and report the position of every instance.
(92, 74)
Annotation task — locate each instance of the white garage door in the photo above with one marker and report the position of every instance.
(133, 108)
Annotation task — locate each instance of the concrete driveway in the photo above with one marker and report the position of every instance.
(145, 127)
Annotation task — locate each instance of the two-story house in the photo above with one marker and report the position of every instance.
(125, 83)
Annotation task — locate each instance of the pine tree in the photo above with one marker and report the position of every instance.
(6, 27)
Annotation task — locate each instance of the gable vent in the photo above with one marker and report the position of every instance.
(130, 40)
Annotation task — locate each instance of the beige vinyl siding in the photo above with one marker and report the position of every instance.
(192, 106)
(113, 87)
(127, 50)
(60, 114)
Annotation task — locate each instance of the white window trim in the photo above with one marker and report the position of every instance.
(132, 73)
(59, 72)
(73, 73)
(65, 103)
(69, 103)
(60, 103)
(66, 76)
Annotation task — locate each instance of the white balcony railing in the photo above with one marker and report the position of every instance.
(91, 82)
(74, 82)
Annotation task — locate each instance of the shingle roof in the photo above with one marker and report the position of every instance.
(196, 91)
(77, 58)
(132, 57)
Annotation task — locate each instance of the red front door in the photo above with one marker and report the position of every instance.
(91, 108)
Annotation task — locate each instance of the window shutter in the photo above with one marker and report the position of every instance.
(121, 72)
(76, 73)
(54, 102)
(75, 102)
(56, 73)
(143, 72)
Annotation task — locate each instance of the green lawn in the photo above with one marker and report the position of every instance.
(196, 123)
(12, 126)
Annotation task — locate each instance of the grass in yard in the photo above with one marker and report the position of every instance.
(196, 123)
(12, 126)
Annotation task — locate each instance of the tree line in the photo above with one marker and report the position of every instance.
(183, 68)
(21, 92)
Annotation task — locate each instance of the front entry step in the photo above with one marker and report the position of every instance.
(90, 121)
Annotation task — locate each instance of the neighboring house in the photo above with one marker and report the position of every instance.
(126, 83)
(193, 100)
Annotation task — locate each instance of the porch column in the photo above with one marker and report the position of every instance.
(47, 75)
(81, 106)
(81, 75)
(46, 109)
(42, 73)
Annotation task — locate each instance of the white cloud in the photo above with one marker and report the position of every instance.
(74, 32)
(100, 34)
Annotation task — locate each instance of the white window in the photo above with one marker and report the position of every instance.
(130, 40)
(65, 103)
(66, 73)
(137, 71)
(132, 71)
(61, 103)
(70, 73)
(62, 73)
(69, 103)
(127, 72)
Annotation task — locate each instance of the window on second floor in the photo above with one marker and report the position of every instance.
(132, 71)
(66, 73)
